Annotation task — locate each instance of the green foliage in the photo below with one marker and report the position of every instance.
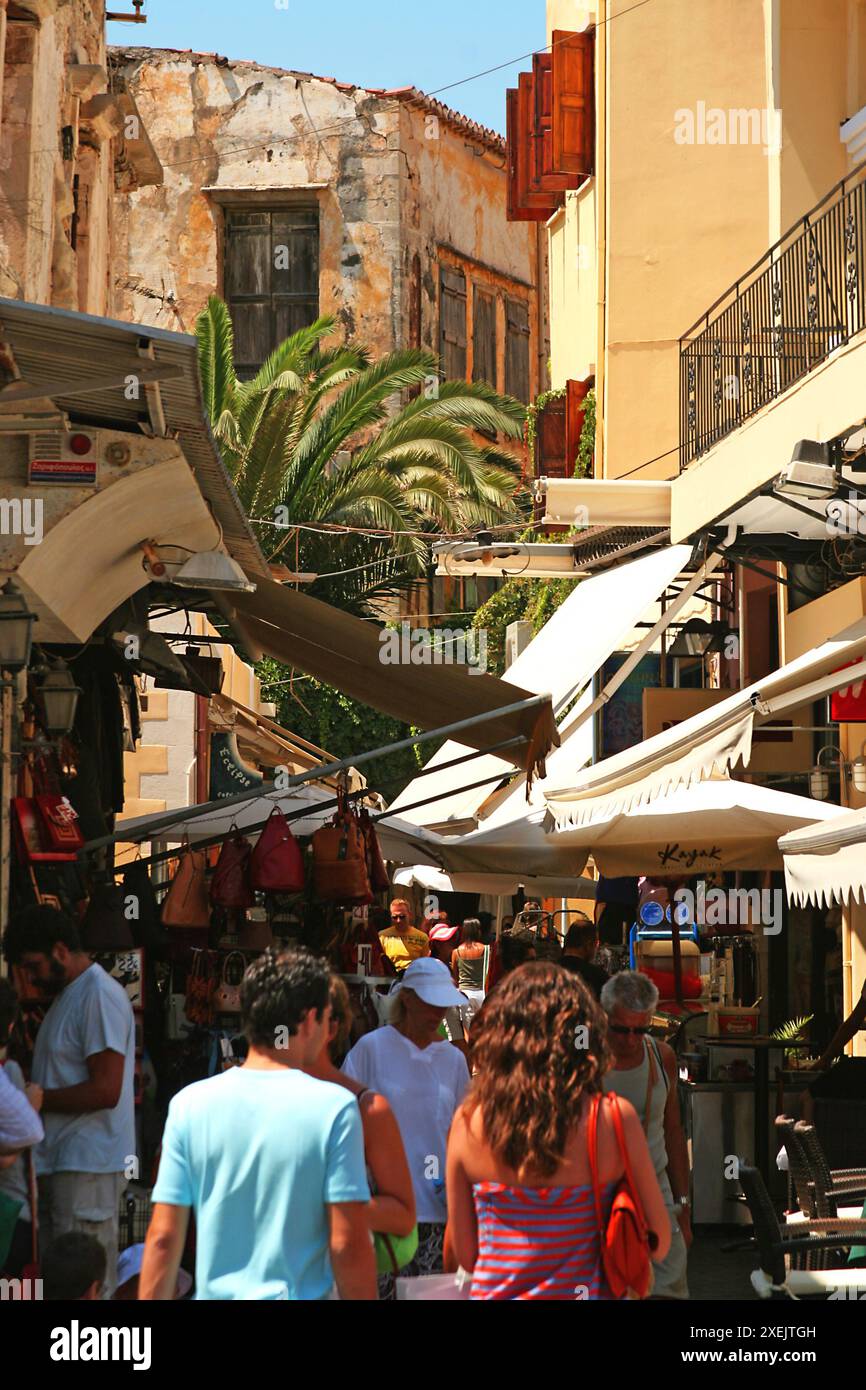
(793, 1029)
(586, 449)
(343, 727)
(535, 600)
(318, 437)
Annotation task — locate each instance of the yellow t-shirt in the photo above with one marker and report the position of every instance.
(402, 948)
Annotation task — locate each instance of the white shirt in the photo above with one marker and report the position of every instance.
(20, 1125)
(424, 1086)
(91, 1015)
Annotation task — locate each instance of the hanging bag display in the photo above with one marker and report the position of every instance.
(254, 933)
(625, 1240)
(186, 903)
(139, 897)
(227, 996)
(60, 822)
(276, 863)
(377, 873)
(230, 887)
(340, 861)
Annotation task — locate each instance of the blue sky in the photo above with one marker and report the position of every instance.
(376, 43)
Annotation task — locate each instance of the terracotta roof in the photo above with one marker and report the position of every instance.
(410, 95)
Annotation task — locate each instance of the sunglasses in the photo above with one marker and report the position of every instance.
(398, 917)
(620, 1028)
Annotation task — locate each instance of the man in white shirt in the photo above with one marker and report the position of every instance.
(84, 1060)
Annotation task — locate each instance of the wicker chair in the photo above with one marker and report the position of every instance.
(833, 1188)
(779, 1247)
(798, 1165)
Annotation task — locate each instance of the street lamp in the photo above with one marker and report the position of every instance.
(697, 637)
(59, 695)
(16, 630)
(819, 777)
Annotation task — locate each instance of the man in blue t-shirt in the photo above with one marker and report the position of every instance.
(269, 1159)
(84, 1061)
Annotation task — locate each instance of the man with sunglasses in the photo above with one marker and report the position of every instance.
(401, 942)
(644, 1071)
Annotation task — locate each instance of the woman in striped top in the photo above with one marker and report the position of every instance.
(520, 1201)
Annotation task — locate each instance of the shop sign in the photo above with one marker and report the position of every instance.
(229, 774)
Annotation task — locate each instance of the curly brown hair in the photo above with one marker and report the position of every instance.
(532, 1066)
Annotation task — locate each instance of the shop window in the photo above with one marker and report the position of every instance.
(452, 323)
(517, 349)
(271, 278)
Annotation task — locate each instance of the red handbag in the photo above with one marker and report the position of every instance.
(60, 822)
(625, 1241)
(276, 863)
(376, 871)
(230, 885)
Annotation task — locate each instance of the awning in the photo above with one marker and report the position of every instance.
(713, 825)
(827, 864)
(713, 741)
(606, 502)
(346, 652)
(498, 885)
(562, 658)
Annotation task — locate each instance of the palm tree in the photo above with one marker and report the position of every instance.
(315, 438)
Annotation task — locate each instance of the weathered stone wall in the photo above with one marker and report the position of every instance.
(53, 63)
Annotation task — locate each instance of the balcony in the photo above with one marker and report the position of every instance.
(802, 301)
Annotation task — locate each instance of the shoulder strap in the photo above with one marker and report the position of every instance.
(592, 1150)
(620, 1138)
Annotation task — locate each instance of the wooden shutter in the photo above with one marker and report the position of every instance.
(545, 178)
(550, 440)
(452, 323)
(517, 349)
(484, 337)
(575, 395)
(573, 102)
(269, 296)
(524, 204)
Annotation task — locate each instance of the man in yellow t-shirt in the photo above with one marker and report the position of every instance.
(401, 942)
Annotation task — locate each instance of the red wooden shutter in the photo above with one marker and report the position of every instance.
(575, 395)
(544, 177)
(550, 456)
(527, 106)
(573, 102)
(516, 212)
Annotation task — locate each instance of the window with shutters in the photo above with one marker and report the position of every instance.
(550, 118)
(271, 278)
(517, 349)
(452, 323)
(483, 337)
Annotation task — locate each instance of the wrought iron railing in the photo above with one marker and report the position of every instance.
(803, 299)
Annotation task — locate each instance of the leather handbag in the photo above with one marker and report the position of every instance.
(255, 932)
(376, 871)
(230, 887)
(227, 995)
(105, 926)
(145, 925)
(186, 903)
(625, 1241)
(340, 862)
(276, 863)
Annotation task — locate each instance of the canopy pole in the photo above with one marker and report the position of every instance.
(327, 770)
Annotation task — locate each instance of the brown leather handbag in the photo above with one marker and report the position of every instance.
(187, 903)
(378, 874)
(340, 862)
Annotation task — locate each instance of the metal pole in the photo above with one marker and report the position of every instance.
(318, 773)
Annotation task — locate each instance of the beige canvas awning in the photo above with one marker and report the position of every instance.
(712, 741)
(827, 864)
(346, 652)
(267, 744)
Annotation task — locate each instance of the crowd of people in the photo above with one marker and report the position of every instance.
(457, 1134)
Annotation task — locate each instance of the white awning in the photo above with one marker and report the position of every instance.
(827, 864)
(713, 825)
(606, 501)
(563, 657)
(713, 741)
(499, 885)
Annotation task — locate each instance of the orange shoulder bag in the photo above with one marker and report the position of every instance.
(625, 1240)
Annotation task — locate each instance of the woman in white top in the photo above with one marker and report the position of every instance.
(424, 1080)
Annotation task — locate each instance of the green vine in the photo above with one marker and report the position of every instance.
(583, 465)
(533, 410)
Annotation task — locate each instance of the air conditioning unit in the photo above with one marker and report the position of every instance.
(68, 458)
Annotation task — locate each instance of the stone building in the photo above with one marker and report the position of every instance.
(66, 143)
(293, 195)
